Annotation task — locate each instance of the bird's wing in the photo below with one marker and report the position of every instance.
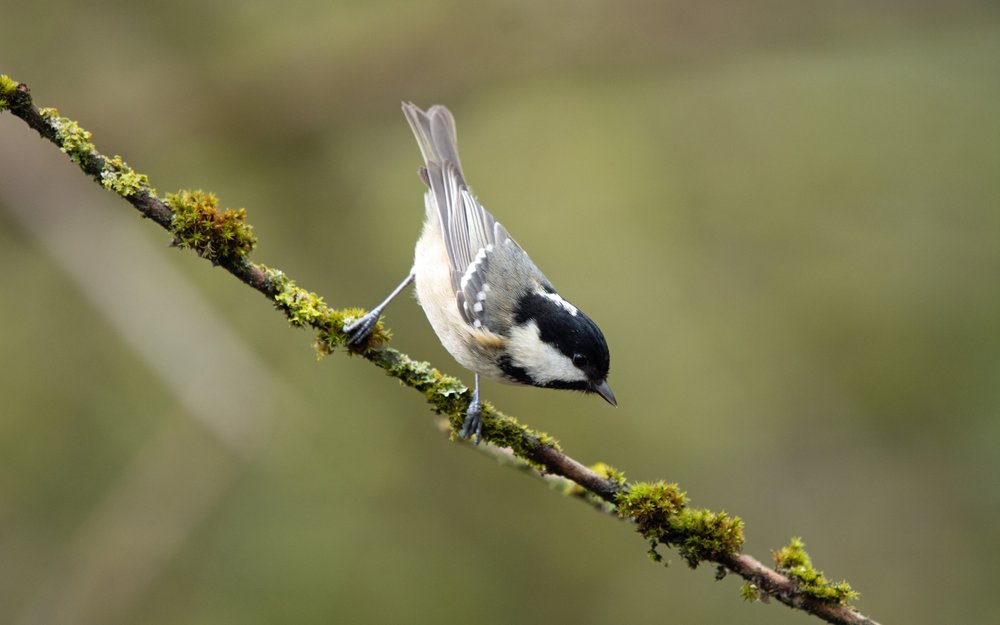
(472, 236)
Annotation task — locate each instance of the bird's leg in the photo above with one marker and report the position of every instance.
(358, 330)
(473, 424)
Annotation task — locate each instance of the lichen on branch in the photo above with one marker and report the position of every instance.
(659, 510)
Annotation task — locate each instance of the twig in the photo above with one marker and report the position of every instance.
(658, 510)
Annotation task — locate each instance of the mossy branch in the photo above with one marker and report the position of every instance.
(659, 510)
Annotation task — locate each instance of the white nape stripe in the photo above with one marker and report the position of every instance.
(542, 361)
(570, 308)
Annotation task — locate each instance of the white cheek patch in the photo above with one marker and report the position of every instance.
(570, 308)
(543, 362)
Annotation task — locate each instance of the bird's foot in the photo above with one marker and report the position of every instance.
(472, 427)
(360, 329)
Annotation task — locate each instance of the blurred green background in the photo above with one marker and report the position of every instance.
(784, 215)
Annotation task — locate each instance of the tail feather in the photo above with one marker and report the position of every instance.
(466, 226)
(435, 134)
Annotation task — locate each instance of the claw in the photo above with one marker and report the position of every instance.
(472, 426)
(360, 329)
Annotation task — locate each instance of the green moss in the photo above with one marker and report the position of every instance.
(446, 394)
(117, 176)
(307, 309)
(214, 234)
(750, 592)
(505, 431)
(651, 505)
(793, 561)
(449, 396)
(7, 89)
(661, 515)
(702, 535)
(379, 336)
(73, 140)
(113, 173)
(608, 471)
(303, 308)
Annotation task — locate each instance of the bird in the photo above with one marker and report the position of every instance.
(491, 307)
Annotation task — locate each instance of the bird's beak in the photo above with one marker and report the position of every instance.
(604, 391)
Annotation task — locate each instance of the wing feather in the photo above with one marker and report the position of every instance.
(469, 230)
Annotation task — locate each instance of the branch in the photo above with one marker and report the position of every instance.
(659, 510)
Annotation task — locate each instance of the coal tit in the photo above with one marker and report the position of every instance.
(491, 307)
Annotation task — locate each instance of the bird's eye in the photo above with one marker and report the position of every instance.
(579, 360)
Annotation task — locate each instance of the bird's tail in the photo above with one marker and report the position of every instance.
(435, 133)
